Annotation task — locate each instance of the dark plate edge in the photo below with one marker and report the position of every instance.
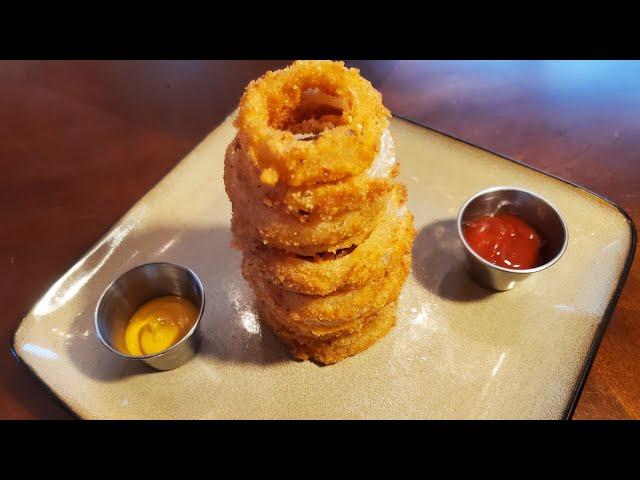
(597, 339)
(570, 409)
(25, 366)
(12, 340)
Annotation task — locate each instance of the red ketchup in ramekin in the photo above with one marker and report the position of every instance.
(504, 240)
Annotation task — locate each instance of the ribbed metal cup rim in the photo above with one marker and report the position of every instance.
(172, 347)
(526, 271)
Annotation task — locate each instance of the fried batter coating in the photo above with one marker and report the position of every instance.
(322, 100)
(323, 227)
(323, 274)
(324, 200)
(336, 348)
(341, 311)
(254, 224)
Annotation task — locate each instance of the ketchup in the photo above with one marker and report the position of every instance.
(504, 240)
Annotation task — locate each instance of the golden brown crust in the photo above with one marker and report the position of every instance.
(390, 240)
(313, 202)
(322, 225)
(254, 224)
(337, 348)
(347, 122)
(338, 312)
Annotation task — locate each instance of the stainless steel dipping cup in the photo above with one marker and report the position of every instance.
(132, 289)
(534, 210)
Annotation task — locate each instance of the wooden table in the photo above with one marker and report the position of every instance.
(80, 142)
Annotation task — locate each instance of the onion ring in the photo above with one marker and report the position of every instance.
(254, 224)
(324, 200)
(337, 348)
(341, 113)
(310, 315)
(390, 239)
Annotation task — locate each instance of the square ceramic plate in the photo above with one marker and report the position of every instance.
(457, 351)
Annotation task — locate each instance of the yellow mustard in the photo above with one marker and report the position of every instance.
(159, 324)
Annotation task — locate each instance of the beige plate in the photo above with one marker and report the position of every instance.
(458, 351)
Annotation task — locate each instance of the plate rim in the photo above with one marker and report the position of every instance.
(593, 348)
(622, 279)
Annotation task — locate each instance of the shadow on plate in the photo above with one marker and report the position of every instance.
(438, 263)
(230, 327)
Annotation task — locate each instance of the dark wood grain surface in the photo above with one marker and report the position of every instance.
(80, 142)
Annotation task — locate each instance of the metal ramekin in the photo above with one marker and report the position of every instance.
(534, 210)
(129, 291)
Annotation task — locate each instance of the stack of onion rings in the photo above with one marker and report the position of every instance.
(333, 349)
(325, 234)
